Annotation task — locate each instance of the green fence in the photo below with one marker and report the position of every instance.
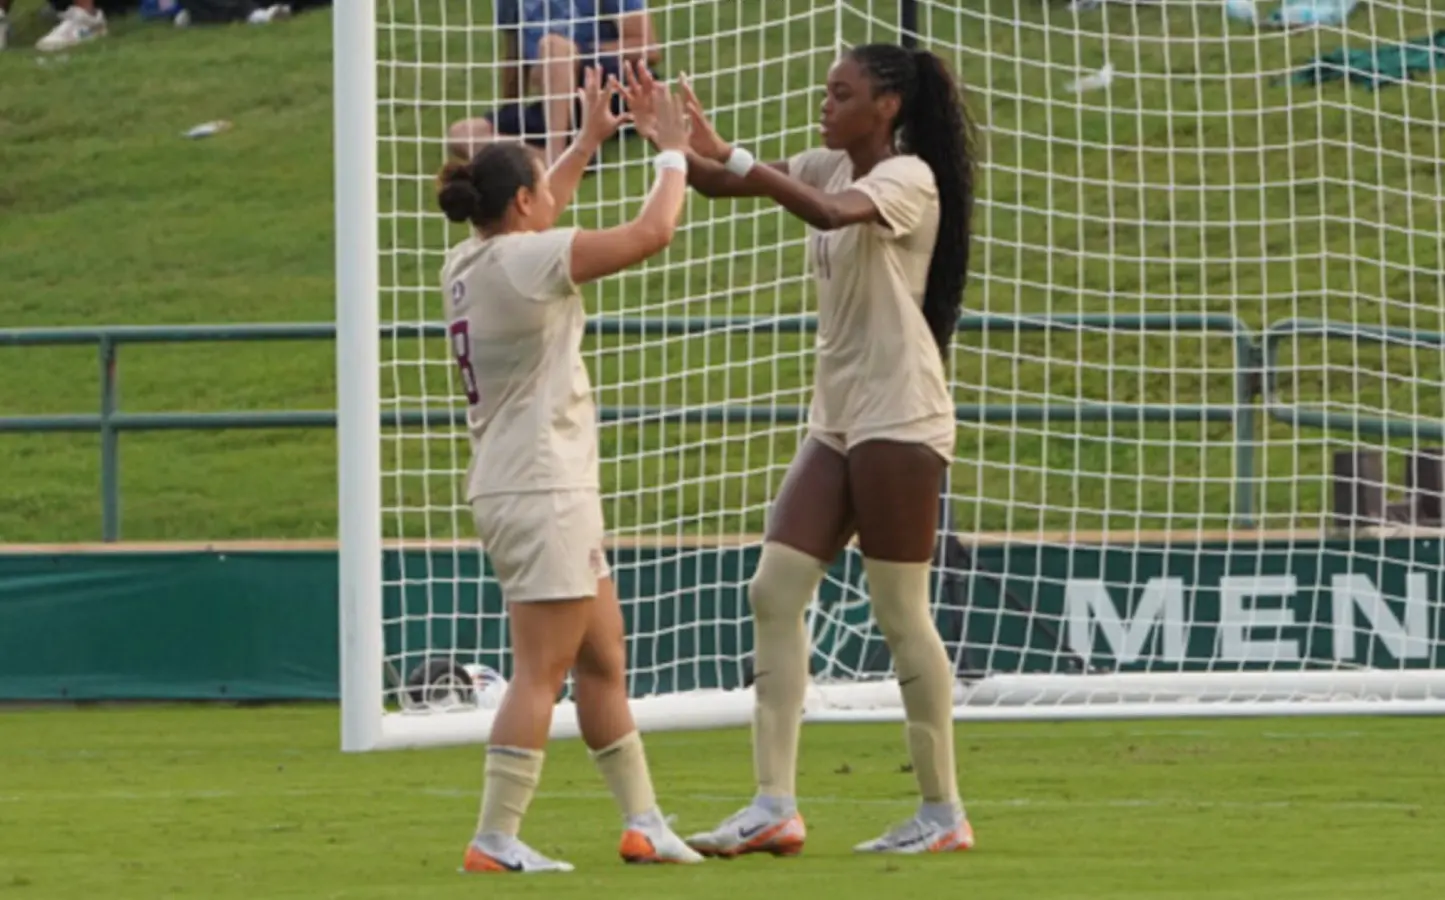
(1254, 359)
(1294, 414)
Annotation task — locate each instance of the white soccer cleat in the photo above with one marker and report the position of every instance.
(919, 835)
(76, 26)
(489, 854)
(655, 842)
(753, 830)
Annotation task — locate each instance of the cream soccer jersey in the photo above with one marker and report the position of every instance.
(515, 323)
(877, 363)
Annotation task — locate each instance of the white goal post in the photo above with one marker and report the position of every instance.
(1200, 376)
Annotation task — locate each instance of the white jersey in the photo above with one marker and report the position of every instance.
(516, 321)
(877, 363)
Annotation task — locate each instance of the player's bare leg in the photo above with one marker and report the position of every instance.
(557, 74)
(607, 726)
(546, 637)
(895, 490)
(811, 521)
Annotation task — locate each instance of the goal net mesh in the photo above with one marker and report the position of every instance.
(1207, 262)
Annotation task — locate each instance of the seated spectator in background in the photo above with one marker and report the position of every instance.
(551, 43)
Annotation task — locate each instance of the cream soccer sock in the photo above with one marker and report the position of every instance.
(511, 778)
(779, 593)
(900, 604)
(623, 764)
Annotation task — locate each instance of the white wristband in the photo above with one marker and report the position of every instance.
(740, 162)
(670, 159)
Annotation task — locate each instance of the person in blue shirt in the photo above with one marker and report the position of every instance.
(552, 42)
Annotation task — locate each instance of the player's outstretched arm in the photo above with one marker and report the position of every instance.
(707, 177)
(596, 254)
(599, 124)
(715, 172)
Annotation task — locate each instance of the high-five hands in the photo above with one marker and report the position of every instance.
(599, 121)
(639, 90)
(659, 115)
(704, 141)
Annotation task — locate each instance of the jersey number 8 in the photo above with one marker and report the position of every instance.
(460, 336)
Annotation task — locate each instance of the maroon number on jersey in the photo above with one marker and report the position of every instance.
(460, 335)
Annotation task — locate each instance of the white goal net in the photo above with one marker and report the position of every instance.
(1200, 376)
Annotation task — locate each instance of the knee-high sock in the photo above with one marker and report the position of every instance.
(512, 774)
(779, 592)
(900, 604)
(623, 765)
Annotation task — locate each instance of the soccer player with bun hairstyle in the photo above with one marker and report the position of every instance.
(889, 200)
(516, 323)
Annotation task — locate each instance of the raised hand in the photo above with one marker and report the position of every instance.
(599, 122)
(704, 141)
(638, 90)
(670, 128)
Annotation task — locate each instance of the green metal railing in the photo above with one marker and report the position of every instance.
(1254, 363)
(1333, 420)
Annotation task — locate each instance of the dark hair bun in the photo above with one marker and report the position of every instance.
(456, 195)
(480, 191)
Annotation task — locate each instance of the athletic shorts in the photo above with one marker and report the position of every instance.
(937, 433)
(529, 118)
(545, 545)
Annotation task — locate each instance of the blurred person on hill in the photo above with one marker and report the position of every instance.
(547, 45)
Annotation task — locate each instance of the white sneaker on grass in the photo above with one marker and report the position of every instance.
(650, 839)
(76, 26)
(922, 835)
(753, 829)
(488, 853)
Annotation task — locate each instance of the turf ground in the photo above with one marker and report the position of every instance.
(107, 217)
(248, 803)
(1089, 205)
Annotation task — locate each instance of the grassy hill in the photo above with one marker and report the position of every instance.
(1200, 182)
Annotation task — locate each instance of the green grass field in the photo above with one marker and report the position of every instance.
(1105, 203)
(236, 803)
(1198, 183)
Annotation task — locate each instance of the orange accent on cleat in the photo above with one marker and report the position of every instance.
(782, 839)
(636, 847)
(477, 862)
(960, 838)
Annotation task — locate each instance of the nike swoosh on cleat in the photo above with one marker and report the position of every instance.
(750, 833)
(502, 864)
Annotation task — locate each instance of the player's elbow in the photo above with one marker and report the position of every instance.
(824, 216)
(652, 237)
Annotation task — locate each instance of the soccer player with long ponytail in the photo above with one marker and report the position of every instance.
(889, 200)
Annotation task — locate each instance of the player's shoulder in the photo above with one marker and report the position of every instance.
(461, 257)
(819, 158)
(907, 167)
(531, 243)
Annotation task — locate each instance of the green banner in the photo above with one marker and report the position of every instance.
(1292, 606)
(263, 625)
